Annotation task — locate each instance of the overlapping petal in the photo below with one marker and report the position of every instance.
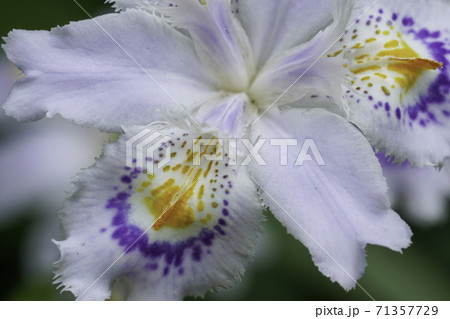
(219, 38)
(304, 68)
(180, 230)
(335, 207)
(185, 228)
(398, 63)
(276, 26)
(90, 71)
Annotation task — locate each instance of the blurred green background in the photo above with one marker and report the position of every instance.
(282, 270)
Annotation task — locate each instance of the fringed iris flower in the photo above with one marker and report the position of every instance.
(260, 69)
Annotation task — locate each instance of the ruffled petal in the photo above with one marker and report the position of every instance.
(423, 192)
(125, 4)
(141, 4)
(276, 26)
(219, 37)
(305, 68)
(332, 198)
(95, 79)
(398, 64)
(181, 230)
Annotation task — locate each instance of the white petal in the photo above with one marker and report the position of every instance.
(300, 70)
(276, 26)
(198, 224)
(80, 72)
(400, 94)
(219, 38)
(335, 209)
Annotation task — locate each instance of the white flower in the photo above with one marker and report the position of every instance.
(249, 68)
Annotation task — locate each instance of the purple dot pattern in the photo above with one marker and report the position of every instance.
(162, 255)
(429, 107)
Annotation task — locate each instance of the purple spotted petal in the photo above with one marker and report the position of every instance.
(181, 230)
(398, 65)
